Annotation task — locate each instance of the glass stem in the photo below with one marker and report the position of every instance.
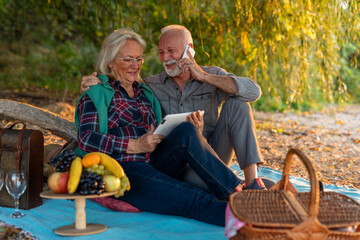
(16, 205)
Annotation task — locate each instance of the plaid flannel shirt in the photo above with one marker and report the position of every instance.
(128, 118)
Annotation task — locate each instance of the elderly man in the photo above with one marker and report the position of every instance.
(187, 87)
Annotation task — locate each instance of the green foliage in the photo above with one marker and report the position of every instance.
(350, 72)
(301, 52)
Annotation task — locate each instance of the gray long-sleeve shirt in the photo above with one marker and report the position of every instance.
(200, 96)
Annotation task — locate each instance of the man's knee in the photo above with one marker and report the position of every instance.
(233, 105)
(235, 110)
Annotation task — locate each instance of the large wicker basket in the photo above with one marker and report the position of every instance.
(284, 213)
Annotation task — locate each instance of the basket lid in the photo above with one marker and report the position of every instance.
(265, 208)
(279, 208)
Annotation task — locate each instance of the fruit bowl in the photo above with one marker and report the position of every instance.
(80, 178)
(80, 227)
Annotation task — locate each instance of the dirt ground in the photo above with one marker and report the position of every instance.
(331, 138)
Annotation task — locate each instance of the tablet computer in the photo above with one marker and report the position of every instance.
(171, 121)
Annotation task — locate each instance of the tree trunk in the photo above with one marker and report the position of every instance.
(40, 117)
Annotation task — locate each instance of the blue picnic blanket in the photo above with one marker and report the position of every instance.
(43, 220)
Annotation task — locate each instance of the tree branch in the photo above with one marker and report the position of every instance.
(40, 117)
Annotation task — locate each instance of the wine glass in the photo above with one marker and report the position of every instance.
(16, 184)
(1, 179)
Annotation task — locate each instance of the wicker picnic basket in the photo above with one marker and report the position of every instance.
(283, 213)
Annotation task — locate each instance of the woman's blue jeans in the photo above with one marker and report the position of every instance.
(155, 187)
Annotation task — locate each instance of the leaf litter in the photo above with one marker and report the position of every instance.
(330, 138)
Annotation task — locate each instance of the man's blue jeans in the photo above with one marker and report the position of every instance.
(155, 187)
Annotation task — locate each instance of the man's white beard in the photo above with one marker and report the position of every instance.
(172, 72)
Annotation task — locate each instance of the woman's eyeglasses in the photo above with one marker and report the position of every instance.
(129, 61)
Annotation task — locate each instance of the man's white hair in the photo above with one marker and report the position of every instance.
(184, 31)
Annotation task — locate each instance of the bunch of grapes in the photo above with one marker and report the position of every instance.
(99, 169)
(91, 183)
(62, 161)
(123, 186)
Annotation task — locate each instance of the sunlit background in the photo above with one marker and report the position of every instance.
(303, 53)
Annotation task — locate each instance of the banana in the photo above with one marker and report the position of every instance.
(75, 175)
(112, 165)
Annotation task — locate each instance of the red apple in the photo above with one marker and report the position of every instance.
(57, 182)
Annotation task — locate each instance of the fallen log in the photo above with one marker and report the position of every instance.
(45, 119)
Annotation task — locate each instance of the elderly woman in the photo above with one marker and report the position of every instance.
(117, 118)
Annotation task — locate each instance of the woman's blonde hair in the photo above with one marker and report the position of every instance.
(110, 47)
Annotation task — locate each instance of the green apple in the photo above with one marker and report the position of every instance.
(112, 183)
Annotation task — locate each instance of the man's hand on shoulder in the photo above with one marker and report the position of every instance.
(88, 81)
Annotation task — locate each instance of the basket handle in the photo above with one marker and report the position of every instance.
(314, 186)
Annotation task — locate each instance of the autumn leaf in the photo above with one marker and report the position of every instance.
(339, 122)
